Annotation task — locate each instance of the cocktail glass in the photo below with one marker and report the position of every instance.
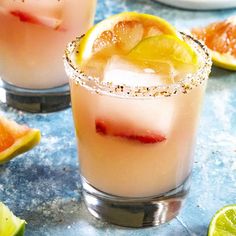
(33, 35)
(136, 144)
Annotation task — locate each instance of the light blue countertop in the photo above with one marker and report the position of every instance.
(43, 185)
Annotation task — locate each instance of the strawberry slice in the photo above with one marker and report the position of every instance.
(38, 20)
(50, 22)
(123, 131)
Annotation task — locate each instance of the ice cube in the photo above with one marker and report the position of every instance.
(119, 71)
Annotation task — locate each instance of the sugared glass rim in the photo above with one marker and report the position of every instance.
(124, 91)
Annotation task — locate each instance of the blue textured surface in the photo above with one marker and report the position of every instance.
(43, 186)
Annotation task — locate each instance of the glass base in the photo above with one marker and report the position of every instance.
(135, 212)
(33, 100)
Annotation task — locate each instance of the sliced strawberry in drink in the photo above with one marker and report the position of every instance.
(101, 127)
(39, 20)
(145, 138)
(123, 131)
(23, 16)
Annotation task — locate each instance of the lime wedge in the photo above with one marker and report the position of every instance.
(152, 51)
(10, 225)
(224, 222)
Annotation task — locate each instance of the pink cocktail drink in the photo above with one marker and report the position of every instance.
(135, 147)
(136, 133)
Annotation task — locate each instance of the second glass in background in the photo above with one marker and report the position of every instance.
(33, 35)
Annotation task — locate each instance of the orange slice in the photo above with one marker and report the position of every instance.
(120, 33)
(220, 38)
(15, 139)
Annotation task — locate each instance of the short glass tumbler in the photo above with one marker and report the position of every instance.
(128, 179)
(33, 36)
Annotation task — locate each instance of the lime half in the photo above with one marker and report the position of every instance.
(10, 225)
(224, 222)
